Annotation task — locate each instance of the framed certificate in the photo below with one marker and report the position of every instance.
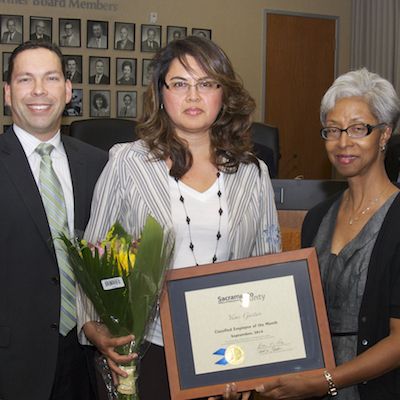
(244, 321)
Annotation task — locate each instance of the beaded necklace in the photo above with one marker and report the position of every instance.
(188, 220)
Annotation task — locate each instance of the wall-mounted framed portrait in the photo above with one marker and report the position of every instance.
(124, 36)
(176, 33)
(126, 104)
(12, 29)
(75, 107)
(99, 70)
(100, 103)
(147, 71)
(69, 32)
(126, 71)
(5, 57)
(97, 34)
(73, 67)
(200, 32)
(41, 29)
(150, 38)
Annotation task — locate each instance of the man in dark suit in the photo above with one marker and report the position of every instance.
(150, 44)
(99, 78)
(41, 358)
(124, 43)
(71, 70)
(39, 34)
(11, 35)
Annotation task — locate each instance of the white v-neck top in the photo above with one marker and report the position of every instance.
(203, 210)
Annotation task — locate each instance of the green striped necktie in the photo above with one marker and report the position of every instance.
(54, 204)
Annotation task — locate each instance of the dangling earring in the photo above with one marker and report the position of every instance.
(382, 148)
(161, 106)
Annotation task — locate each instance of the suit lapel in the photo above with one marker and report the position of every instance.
(17, 166)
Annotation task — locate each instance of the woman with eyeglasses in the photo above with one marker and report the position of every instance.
(193, 170)
(357, 237)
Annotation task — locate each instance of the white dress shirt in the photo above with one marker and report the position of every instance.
(60, 166)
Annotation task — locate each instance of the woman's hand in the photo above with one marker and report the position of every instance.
(100, 337)
(231, 393)
(293, 387)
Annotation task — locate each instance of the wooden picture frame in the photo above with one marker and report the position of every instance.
(124, 36)
(201, 32)
(206, 304)
(69, 32)
(41, 29)
(150, 37)
(176, 33)
(97, 35)
(11, 25)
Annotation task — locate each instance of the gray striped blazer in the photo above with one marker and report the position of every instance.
(133, 185)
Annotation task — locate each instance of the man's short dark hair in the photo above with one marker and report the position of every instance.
(31, 45)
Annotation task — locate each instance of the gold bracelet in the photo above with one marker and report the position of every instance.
(332, 389)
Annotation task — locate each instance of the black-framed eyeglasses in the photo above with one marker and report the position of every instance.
(203, 86)
(356, 131)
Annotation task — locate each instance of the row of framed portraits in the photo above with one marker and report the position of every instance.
(97, 33)
(99, 104)
(99, 70)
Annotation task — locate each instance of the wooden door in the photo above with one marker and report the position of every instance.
(300, 66)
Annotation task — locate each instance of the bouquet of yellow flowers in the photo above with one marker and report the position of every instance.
(123, 279)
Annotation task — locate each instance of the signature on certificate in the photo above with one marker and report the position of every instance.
(277, 346)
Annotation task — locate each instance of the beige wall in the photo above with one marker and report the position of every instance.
(237, 26)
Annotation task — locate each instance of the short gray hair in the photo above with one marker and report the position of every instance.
(378, 92)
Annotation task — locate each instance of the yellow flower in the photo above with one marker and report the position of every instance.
(125, 260)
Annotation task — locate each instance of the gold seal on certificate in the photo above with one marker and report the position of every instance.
(234, 355)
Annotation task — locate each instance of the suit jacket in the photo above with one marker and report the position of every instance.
(17, 38)
(77, 78)
(72, 41)
(45, 38)
(128, 45)
(104, 80)
(146, 46)
(93, 43)
(29, 284)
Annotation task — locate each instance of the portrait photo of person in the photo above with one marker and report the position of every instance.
(99, 70)
(176, 33)
(126, 71)
(5, 58)
(124, 36)
(11, 29)
(203, 33)
(97, 34)
(151, 38)
(126, 104)
(41, 29)
(73, 68)
(147, 71)
(74, 108)
(69, 32)
(99, 103)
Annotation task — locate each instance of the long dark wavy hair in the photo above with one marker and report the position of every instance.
(230, 132)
